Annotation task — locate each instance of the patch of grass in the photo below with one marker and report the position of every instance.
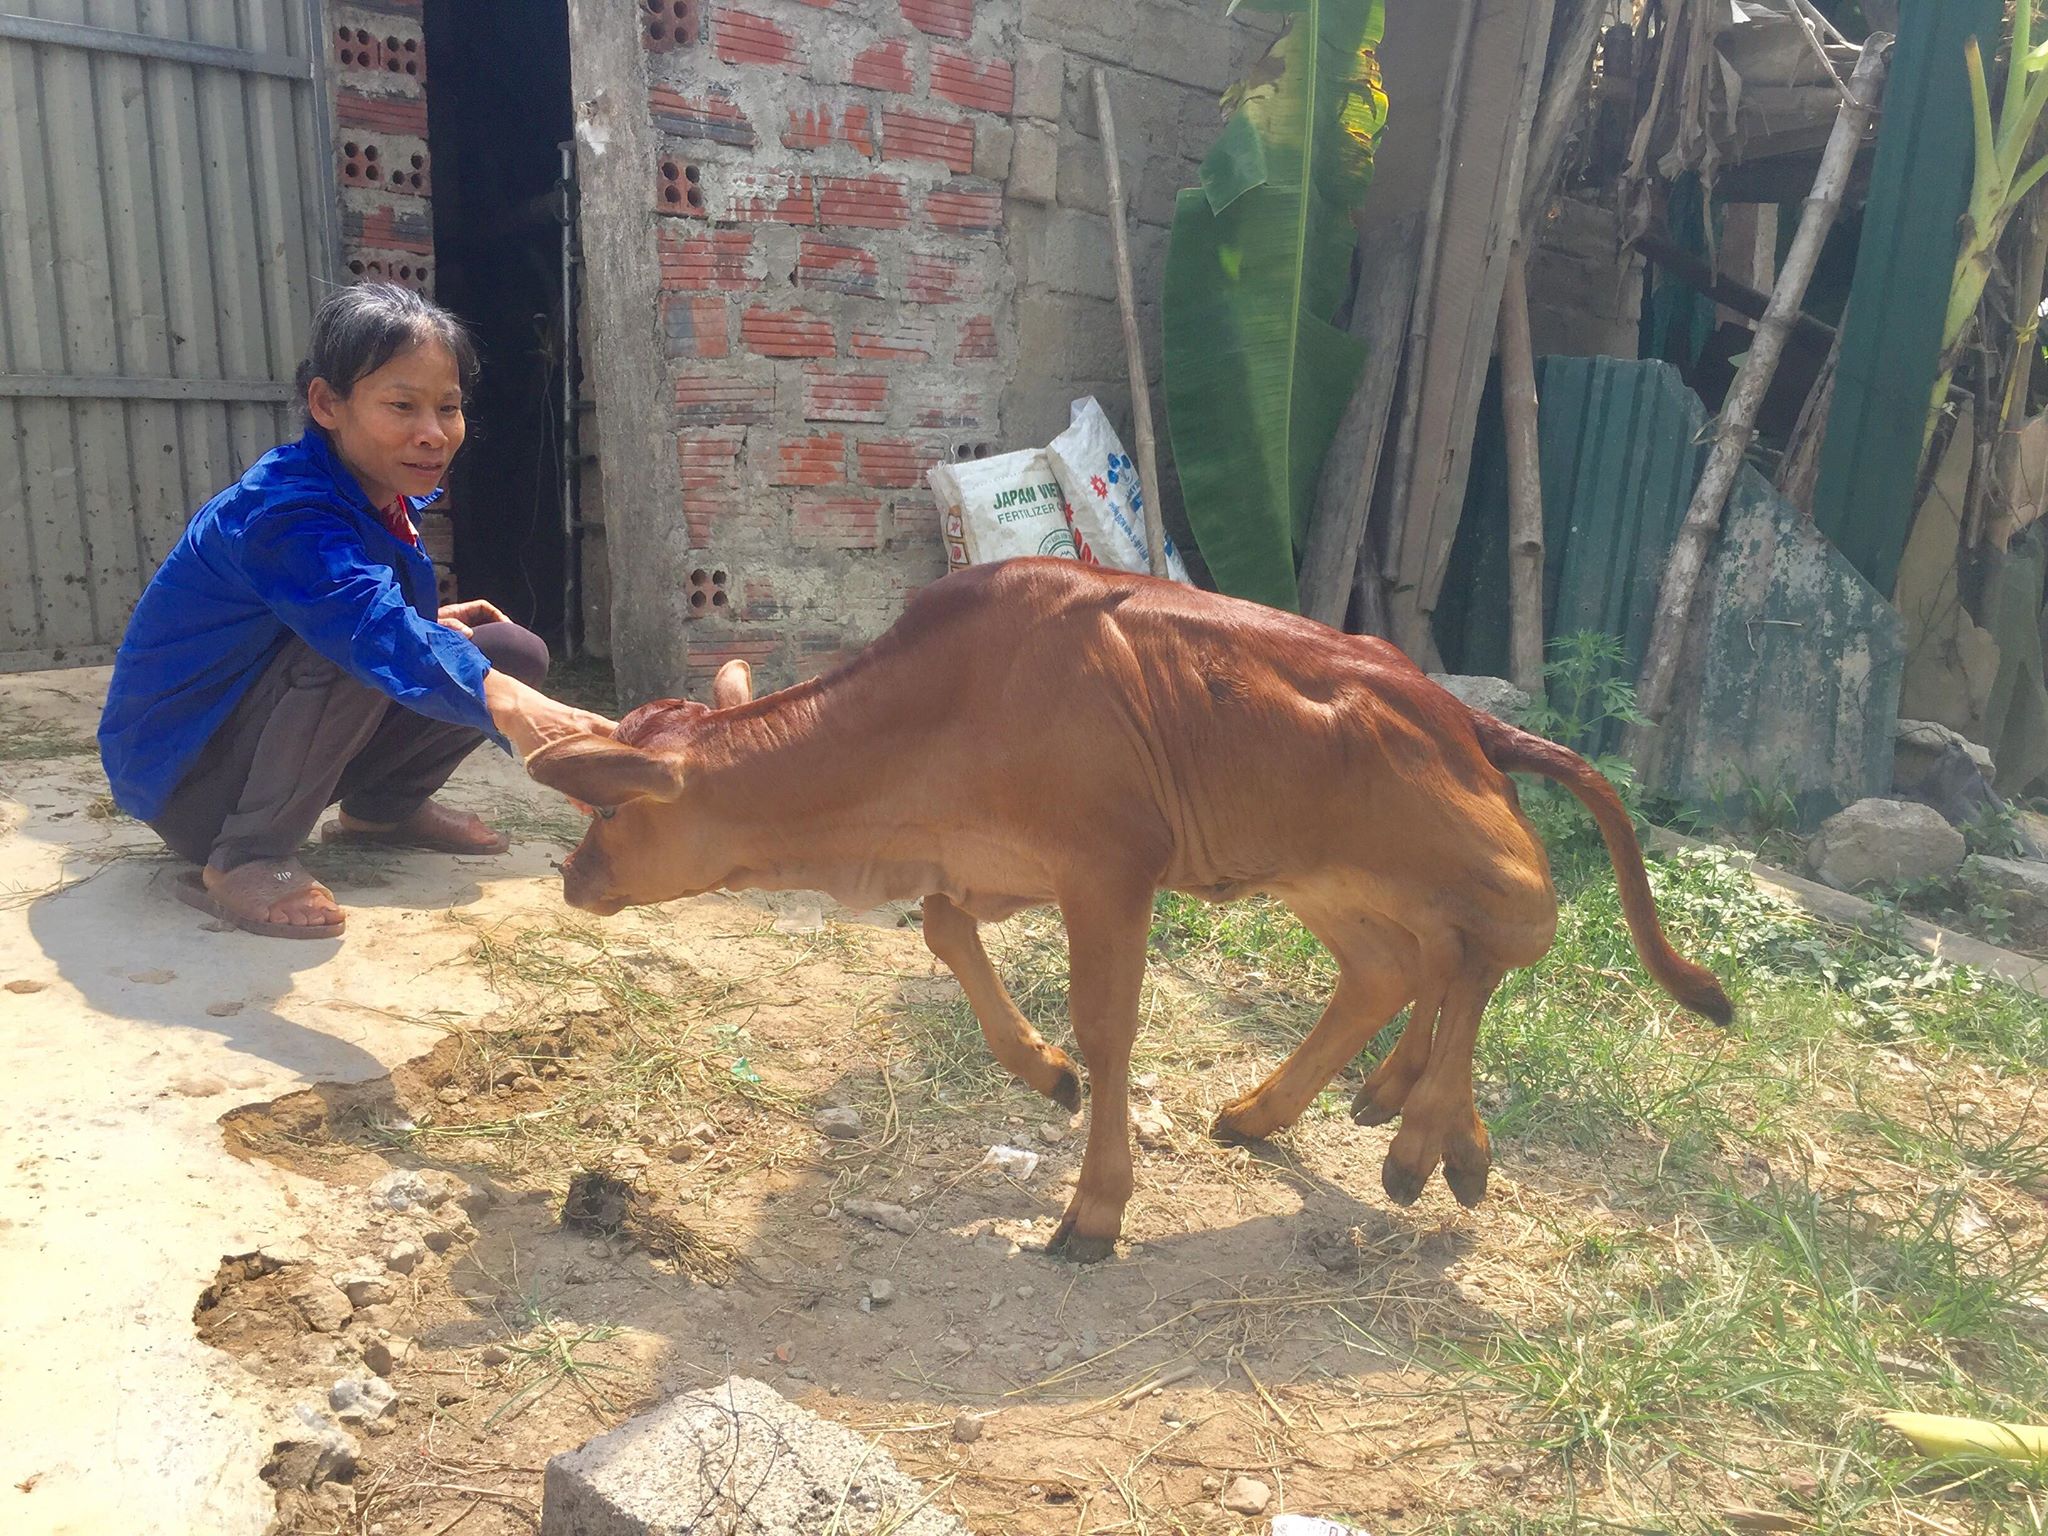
(1955, 1136)
(547, 1351)
(674, 1047)
(1760, 1351)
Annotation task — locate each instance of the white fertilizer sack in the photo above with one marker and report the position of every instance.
(1105, 501)
(1002, 507)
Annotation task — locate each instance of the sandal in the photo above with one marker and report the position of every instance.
(253, 890)
(432, 827)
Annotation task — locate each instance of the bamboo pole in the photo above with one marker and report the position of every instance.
(1525, 481)
(1737, 424)
(1563, 97)
(1387, 252)
(1134, 345)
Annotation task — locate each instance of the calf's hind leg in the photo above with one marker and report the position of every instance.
(955, 938)
(1440, 1123)
(1373, 961)
(1386, 1088)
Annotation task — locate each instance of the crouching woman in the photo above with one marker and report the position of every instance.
(290, 655)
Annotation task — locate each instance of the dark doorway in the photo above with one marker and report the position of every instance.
(498, 111)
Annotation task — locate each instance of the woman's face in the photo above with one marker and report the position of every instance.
(399, 427)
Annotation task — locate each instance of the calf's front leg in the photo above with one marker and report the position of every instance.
(955, 937)
(1106, 934)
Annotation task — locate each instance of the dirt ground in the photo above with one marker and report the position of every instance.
(1255, 1323)
(1711, 1261)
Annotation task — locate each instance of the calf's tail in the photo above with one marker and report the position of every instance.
(1517, 751)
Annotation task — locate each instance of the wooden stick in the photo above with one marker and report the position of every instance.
(1737, 425)
(1803, 16)
(1525, 480)
(1564, 95)
(1426, 277)
(1178, 1374)
(1329, 565)
(1564, 100)
(1134, 346)
(1799, 474)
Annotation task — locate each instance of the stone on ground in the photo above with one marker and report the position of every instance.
(738, 1460)
(1494, 696)
(359, 1399)
(1246, 1496)
(312, 1451)
(323, 1304)
(2023, 883)
(1918, 745)
(840, 1124)
(1884, 842)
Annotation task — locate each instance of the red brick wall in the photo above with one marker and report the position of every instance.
(835, 300)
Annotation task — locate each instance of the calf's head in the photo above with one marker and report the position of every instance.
(639, 846)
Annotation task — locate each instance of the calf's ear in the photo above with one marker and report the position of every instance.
(602, 772)
(734, 684)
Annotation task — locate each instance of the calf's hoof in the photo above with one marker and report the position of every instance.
(1367, 1110)
(1066, 1090)
(1467, 1160)
(1079, 1247)
(1468, 1185)
(1404, 1185)
(1240, 1122)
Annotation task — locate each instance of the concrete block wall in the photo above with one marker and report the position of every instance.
(1167, 64)
(836, 302)
(1585, 298)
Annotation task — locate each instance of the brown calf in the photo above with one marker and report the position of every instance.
(1042, 731)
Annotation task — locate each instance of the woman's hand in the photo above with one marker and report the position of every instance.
(529, 719)
(464, 617)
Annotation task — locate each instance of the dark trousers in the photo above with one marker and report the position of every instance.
(306, 736)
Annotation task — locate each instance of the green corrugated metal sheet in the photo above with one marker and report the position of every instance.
(1621, 453)
(1892, 342)
(1802, 659)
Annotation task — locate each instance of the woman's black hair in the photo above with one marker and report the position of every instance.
(360, 329)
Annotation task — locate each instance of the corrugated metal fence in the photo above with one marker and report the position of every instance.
(166, 213)
(1793, 661)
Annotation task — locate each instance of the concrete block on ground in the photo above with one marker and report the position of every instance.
(734, 1460)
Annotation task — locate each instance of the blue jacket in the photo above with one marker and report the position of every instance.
(293, 547)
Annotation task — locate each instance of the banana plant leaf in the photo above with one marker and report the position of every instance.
(1260, 257)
